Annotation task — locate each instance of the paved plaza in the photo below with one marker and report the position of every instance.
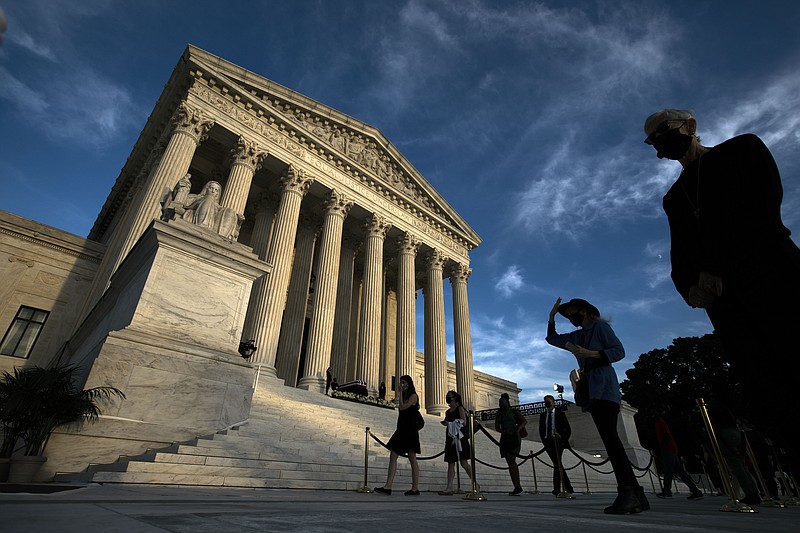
(150, 509)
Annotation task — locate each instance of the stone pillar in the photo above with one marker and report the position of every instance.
(271, 299)
(465, 377)
(369, 342)
(320, 334)
(352, 344)
(259, 242)
(406, 305)
(190, 129)
(435, 342)
(343, 315)
(294, 316)
(246, 160)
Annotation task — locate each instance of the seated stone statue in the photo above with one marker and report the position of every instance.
(203, 209)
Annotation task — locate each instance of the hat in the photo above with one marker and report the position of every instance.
(580, 303)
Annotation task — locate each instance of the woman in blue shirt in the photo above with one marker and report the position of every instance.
(595, 346)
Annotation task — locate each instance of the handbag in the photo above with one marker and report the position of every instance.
(523, 432)
(420, 420)
(580, 387)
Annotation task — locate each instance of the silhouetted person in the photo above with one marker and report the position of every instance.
(596, 346)
(732, 256)
(328, 380)
(382, 391)
(405, 439)
(509, 422)
(555, 431)
(671, 462)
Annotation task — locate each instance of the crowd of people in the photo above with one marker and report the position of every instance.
(731, 256)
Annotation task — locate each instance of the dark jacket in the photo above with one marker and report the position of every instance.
(562, 426)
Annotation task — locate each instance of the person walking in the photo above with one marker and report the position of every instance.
(732, 256)
(671, 462)
(596, 347)
(510, 423)
(405, 439)
(456, 447)
(555, 431)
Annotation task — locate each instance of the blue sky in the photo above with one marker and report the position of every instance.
(526, 116)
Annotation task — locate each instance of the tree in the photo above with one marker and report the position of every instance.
(669, 380)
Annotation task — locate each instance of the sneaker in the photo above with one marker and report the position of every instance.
(695, 496)
(516, 492)
(381, 490)
(411, 493)
(664, 494)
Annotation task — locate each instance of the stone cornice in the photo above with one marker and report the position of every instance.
(85, 250)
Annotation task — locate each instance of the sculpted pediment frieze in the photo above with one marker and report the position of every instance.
(356, 147)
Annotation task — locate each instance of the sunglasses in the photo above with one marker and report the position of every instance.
(662, 129)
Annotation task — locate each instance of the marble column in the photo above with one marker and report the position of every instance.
(287, 361)
(246, 159)
(190, 128)
(259, 242)
(352, 344)
(320, 334)
(465, 377)
(369, 342)
(271, 300)
(343, 315)
(406, 306)
(435, 342)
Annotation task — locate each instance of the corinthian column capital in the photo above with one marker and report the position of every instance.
(377, 226)
(337, 203)
(192, 121)
(435, 260)
(247, 153)
(460, 273)
(296, 180)
(408, 244)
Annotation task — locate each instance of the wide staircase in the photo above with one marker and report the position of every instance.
(296, 439)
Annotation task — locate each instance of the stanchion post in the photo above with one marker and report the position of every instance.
(705, 479)
(557, 464)
(650, 475)
(473, 494)
(660, 483)
(734, 505)
(535, 481)
(585, 478)
(768, 501)
(365, 488)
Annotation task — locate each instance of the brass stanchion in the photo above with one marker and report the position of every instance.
(658, 477)
(650, 475)
(557, 464)
(473, 494)
(769, 501)
(365, 488)
(585, 478)
(733, 505)
(705, 479)
(535, 481)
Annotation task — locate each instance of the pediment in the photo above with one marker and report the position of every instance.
(359, 149)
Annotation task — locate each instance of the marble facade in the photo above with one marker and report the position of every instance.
(249, 211)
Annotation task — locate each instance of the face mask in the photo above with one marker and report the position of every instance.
(576, 319)
(672, 144)
(404, 385)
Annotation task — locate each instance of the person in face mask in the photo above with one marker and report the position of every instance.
(733, 257)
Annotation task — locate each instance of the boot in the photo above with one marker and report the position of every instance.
(645, 505)
(626, 502)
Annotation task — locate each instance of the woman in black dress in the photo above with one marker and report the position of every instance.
(405, 439)
(455, 413)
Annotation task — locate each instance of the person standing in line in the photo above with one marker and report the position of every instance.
(405, 439)
(382, 391)
(328, 379)
(732, 256)
(456, 447)
(595, 346)
(555, 431)
(671, 462)
(509, 422)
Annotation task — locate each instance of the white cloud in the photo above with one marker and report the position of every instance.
(510, 282)
(17, 92)
(20, 37)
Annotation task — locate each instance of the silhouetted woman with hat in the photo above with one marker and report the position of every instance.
(595, 346)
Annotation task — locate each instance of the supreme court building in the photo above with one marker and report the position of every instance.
(246, 211)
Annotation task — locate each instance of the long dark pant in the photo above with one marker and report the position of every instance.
(672, 465)
(550, 448)
(605, 414)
